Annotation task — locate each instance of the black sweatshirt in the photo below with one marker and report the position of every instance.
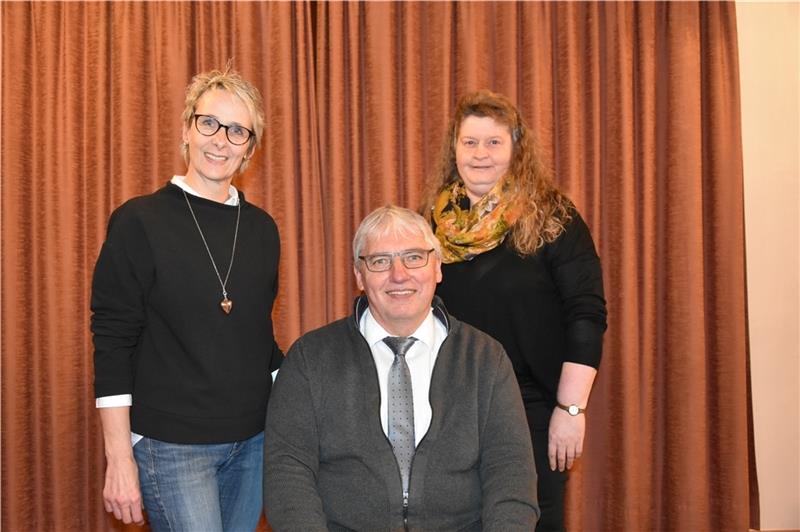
(197, 375)
(546, 309)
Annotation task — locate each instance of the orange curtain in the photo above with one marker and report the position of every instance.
(636, 109)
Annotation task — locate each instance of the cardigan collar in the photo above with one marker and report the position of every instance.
(361, 304)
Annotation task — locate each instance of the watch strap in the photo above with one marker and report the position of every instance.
(572, 410)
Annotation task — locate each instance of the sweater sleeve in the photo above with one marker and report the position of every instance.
(291, 451)
(508, 473)
(122, 277)
(576, 270)
(276, 358)
(274, 242)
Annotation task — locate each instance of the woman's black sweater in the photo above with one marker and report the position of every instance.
(546, 309)
(197, 375)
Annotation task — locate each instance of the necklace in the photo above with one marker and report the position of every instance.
(226, 303)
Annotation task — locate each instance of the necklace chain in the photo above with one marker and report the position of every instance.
(233, 250)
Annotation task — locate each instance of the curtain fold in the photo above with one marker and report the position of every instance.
(635, 107)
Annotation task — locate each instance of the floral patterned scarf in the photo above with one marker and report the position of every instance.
(466, 232)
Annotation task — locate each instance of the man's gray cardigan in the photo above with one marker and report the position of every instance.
(329, 466)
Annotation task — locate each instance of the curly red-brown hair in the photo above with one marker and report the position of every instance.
(545, 209)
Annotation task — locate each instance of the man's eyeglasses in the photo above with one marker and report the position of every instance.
(411, 259)
(208, 126)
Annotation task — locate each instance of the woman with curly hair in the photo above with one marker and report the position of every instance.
(520, 264)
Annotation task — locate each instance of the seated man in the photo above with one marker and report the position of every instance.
(399, 417)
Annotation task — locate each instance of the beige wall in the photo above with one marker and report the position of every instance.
(769, 54)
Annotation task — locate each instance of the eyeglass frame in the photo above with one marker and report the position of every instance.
(399, 254)
(225, 126)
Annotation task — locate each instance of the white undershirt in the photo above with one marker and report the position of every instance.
(421, 359)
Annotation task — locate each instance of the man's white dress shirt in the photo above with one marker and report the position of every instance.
(421, 358)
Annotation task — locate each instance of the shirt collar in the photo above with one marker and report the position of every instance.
(180, 181)
(361, 304)
(374, 333)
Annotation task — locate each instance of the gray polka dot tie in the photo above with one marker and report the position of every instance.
(401, 406)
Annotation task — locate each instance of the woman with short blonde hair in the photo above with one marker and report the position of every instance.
(182, 296)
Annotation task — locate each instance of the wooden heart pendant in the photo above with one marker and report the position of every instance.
(226, 305)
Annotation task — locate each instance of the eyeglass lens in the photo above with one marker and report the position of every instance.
(208, 126)
(411, 259)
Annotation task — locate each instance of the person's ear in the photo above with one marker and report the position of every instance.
(359, 279)
(251, 149)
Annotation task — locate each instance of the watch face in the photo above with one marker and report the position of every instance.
(573, 410)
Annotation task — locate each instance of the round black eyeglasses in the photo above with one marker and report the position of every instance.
(208, 125)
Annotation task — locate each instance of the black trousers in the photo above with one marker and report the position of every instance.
(550, 486)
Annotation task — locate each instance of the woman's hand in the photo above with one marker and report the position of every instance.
(565, 439)
(121, 494)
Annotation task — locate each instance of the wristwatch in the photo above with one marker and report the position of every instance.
(572, 410)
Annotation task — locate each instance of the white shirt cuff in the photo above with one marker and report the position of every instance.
(110, 401)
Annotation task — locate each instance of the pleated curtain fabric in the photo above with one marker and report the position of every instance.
(635, 107)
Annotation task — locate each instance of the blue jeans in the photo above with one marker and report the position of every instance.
(201, 488)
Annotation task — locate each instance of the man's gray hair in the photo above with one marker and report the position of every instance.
(394, 220)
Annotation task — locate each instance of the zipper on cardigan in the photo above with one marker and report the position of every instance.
(405, 511)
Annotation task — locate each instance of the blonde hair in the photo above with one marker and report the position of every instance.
(231, 81)
(545, 209)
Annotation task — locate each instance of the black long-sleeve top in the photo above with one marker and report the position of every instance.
(546, 309)
(197, 375)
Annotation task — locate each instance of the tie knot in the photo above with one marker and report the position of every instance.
(399, 344)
